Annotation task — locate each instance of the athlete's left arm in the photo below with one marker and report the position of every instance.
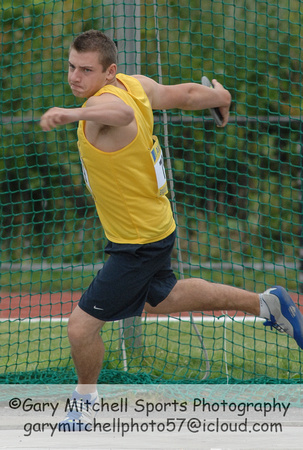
(187, 96)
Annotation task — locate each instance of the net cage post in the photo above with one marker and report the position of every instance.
(129, 45)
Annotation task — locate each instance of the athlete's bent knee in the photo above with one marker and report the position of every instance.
(82, 326)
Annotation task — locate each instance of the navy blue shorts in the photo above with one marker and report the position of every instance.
(132, 275)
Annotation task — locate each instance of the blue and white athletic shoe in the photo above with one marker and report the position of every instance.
(284, 315)
(80, 412)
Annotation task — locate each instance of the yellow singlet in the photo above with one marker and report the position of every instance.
(129, 185)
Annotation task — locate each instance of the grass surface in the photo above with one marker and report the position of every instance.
(168, 350)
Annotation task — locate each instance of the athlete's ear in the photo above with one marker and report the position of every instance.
(111, 72)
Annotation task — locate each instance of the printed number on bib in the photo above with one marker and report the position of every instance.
(157, 156)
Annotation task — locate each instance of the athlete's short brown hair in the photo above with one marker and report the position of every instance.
(96, 41)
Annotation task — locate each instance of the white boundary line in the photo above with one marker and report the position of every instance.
(222, 318)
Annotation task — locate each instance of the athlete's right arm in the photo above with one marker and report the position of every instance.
(106, 111)
(58, 116)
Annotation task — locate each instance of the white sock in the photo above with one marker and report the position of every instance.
(92, 394)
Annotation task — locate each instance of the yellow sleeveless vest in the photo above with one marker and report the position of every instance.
(128, 185)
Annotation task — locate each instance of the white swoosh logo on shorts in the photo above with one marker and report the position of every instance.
(100, 309)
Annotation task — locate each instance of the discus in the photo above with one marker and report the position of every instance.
(215, 112)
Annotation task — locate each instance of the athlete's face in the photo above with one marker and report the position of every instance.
(85, 73)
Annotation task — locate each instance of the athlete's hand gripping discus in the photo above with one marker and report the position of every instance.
(215, 112)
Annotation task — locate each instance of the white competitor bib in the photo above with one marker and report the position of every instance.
(157, 157)
(85, 176)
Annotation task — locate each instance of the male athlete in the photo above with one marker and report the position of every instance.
(121, 161)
